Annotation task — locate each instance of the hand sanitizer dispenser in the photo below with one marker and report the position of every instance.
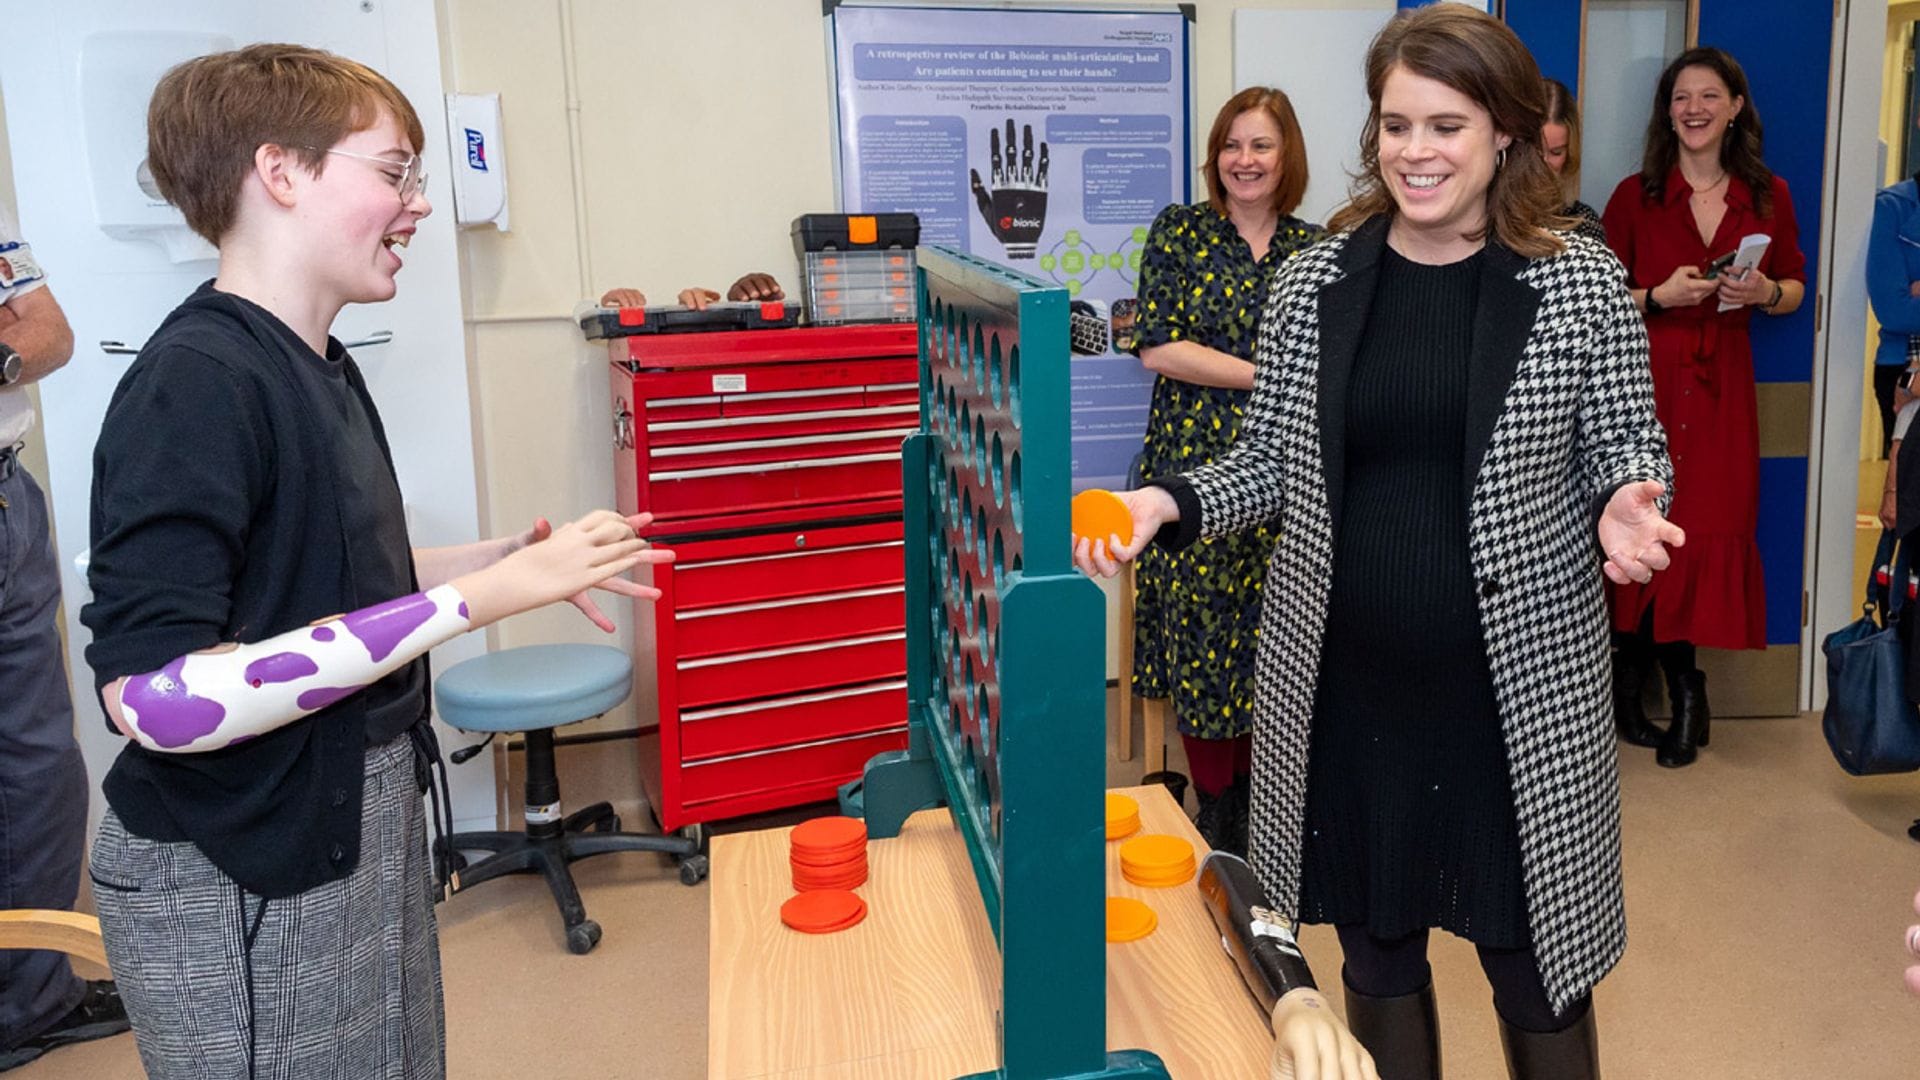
(478, 155)
(118, 71)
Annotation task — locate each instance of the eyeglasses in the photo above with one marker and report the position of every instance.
(412, 177)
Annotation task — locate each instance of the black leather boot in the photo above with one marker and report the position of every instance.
(1569, 1054)
(1211, 820)
(1402, 1033)
(1234, 814)
(1629, 715)
(1692, 721)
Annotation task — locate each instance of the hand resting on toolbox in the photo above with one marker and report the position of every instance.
(753, 286)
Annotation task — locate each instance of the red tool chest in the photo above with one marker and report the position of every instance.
(776, 654)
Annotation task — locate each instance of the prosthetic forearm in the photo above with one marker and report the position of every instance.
(1259, 939)
(206, 701)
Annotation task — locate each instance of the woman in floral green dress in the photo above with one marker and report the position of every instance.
(1203, 284)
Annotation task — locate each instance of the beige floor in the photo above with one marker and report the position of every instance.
(1767, 894)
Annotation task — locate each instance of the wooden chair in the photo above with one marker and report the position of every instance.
(67, 932)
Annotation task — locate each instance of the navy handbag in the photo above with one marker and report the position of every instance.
(1869, 722)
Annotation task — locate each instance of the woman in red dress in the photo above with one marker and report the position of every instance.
(1702, 187)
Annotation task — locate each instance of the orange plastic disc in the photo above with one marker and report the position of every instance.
(1123, 817)
(829, 835)
(810, 880)
(1129, 920)
(1159, 879)
(1155, 851)
(1098, 514)
(804, 857)
(823, 912)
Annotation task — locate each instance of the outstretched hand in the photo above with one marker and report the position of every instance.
(1150, 508)
(542, 529)
(1634, 534)
(580, 555)
(1310, 1042)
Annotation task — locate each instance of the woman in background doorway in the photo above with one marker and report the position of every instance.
(1203, 285)
(1702, 187)
(1560, 145)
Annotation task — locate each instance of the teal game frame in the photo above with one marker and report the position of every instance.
(1006, 659)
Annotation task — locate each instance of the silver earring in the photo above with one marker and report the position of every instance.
(1500, 158)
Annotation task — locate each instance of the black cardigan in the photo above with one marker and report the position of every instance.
(217, 517)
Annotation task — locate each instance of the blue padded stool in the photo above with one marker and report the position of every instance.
(534, 689)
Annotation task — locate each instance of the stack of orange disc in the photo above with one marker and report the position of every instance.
(1123, 817)
(822, 911)
(1129, 920)
(1157, 861)
(829, 853)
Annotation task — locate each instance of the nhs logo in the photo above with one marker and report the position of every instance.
(476, 151)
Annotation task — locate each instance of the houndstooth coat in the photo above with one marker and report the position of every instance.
(1559, 416)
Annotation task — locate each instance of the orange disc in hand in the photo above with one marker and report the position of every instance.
(1098, 514)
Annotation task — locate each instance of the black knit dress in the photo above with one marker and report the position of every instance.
(1410, 819)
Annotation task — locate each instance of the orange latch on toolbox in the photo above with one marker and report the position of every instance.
(633, 316)
(862, 230)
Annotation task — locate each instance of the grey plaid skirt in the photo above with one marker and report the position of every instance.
(342, 981)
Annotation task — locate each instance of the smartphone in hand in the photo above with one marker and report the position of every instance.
(1713, 268)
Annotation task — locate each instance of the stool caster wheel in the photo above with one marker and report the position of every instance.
(693, 868)
(697, 833)
(581, 939)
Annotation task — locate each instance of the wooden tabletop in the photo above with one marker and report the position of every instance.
(911, 991)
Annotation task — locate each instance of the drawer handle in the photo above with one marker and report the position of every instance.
(766, 395)
(768, 605)
(791, 650)
(788, 702)
(770, 444)
(779, 418)
(683, 567)
(770, 466)
(796, 746)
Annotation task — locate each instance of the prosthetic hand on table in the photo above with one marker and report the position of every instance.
(1309, 1040)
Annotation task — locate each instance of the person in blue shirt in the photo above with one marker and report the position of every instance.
(1893, 286)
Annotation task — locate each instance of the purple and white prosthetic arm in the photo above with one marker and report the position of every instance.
(209, 700)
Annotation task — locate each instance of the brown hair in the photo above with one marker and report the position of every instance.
(210, 114)
(1740, 150)
(1293, 147)
(1562, 109)
(1476, 54)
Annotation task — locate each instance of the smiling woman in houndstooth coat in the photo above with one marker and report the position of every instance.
(1453, 427)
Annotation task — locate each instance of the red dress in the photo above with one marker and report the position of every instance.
(1713, 595)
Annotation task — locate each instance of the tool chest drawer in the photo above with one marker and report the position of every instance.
(785, 563)
(815, 768)
(802, 718)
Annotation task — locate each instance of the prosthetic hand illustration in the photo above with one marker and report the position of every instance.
(1016, 208)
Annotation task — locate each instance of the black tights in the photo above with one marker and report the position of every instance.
(1676, 657)
(1379, 968)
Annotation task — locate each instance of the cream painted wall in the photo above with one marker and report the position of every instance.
(703, 130)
